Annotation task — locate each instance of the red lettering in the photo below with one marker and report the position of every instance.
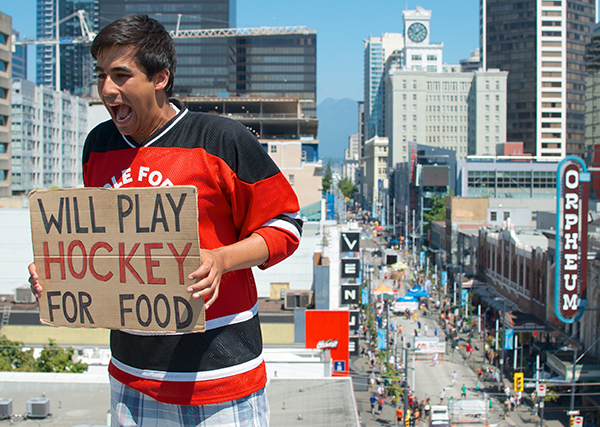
(79, 244)
(180, 258)
(106, 277)
(124, 262)
(150, 263)
(60, 260)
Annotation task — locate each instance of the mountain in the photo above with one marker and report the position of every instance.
(338, 119)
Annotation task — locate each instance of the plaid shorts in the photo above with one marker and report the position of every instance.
(130, 408)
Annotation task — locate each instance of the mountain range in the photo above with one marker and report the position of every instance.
(338, 119)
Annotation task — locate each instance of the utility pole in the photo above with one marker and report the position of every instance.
(503, 335)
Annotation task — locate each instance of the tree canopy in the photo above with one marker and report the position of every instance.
(347, 188)
(327, 179)
(53, 358)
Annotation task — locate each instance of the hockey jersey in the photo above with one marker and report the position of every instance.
(240, 191)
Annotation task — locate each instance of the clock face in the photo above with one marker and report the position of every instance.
(417, 32)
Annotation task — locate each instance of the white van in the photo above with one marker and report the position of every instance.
(440, 417)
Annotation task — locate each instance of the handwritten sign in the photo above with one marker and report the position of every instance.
(117, 258)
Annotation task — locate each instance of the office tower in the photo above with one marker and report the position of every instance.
(76, 65)
(541, 43)
(377, 52)
(19, 59)
(430, 103)
(592, 109)
(205, 66)
(278, 66)
(5, 77)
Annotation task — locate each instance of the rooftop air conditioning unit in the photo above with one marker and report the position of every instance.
(5, 408)
(38, 407)
(23, 294)
(297, 298)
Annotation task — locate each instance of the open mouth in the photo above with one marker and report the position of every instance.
(121, 112)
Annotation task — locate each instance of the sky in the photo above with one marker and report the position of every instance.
(341, 26)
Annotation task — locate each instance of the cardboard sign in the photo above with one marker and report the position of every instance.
(117, 258)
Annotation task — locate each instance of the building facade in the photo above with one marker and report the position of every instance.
(592, 109)
(374, 178)
(48, 132)
(5, 78)
(542, 45)
(464, 112)
(19, 59)
(510, 177)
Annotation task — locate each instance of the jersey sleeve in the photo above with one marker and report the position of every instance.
(261, 197)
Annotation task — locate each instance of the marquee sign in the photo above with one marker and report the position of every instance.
(572, 193)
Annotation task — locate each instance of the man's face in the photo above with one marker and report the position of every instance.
(127, 93)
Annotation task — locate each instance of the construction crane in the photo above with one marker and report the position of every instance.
(87, 36)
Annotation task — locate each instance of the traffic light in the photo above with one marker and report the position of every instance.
(519, 378)
(572, 419)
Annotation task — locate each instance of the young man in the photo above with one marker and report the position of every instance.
(248, 216)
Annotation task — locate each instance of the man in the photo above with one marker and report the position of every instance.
(454, 377)
(248, 216)
(463, 392)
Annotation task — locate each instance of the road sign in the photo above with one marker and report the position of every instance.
(541, 390)
(575, 412)
(577, 421)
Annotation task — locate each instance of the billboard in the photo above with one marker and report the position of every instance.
(329, 329)
(572, 193)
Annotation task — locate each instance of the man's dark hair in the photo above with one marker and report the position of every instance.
(155, 47)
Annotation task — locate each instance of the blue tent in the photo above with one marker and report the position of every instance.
(417, 292)
(407, 298)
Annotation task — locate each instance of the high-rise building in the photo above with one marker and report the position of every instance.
(541, 43)
(76, 65)
(48, 132)
(435, 104)
(592, 109)
(5, 78)
(205, 66)
(377, 51)
(278, 66)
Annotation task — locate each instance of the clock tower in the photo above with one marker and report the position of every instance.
(419, 53)
(416, 26)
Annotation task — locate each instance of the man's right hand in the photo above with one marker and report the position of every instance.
(36, 288)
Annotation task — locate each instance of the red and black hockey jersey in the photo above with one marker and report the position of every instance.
(240, 191)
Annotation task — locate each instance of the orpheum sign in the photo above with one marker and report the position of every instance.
(572, 189)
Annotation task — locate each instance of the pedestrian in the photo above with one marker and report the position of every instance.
(425, 329)
(478, 387)
(454, 377)
(506, 407)
(490, 404)
(373, 401)
(399, 415)
(419, 324)
(512, 402)
(380, 406)
(436, 361)
(463, 394)
(518, 398)
(442, 395)
(248, 216)
(435, 332)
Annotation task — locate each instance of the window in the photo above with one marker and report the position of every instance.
(493, 216)
(273, 149)
(506, 215)
(291, 179)
(416, 57)
(432, 57)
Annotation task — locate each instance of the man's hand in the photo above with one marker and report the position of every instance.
(208, 275)
(36, 288)
(247, 253)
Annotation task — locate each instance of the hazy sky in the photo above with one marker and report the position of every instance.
(341, 28)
